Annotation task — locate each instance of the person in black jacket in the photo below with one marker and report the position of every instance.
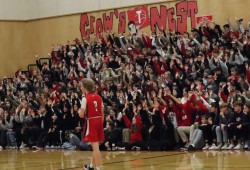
(43, 120)
(246, 125)
(235, 129)
(66, 118)
(226, 116)
(113, 136)
(167, 134)
(32, 127)
(153, 131)
(53, 137)
(214, 115)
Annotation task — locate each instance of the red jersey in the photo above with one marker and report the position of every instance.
(93, 127)
(94, 105)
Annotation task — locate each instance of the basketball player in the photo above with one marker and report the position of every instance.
(91, 109)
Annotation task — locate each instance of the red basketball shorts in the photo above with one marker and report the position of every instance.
(93, 130)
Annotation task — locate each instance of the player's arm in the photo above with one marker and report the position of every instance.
(81, 112)
(82, 109)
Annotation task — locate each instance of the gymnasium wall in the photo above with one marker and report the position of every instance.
(20, 41)
(36, 9)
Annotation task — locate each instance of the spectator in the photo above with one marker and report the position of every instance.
(235, 129)
(225, 118)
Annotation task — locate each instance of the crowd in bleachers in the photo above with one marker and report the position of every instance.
(161, 91)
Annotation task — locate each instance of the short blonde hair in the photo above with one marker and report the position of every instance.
(89, 84)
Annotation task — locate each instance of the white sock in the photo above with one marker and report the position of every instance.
(91, 165)
(98, 168)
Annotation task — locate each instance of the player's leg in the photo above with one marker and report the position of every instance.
(91, 165)
(97, 158)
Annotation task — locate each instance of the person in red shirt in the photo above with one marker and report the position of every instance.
(135, 126)
(92, 110)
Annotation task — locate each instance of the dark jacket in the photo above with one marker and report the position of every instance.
(46, 121)
(227, 119)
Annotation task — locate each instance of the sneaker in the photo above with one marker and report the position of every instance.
(12, 147)
(72, 148)
(113, 147)
(87, 167)
(1, 147)
(47, 147)
(206, 147)
(191, 148)
(120, 148)
(231, 146)
(218, 147)
(238, 147)
(136, 148)
(52, 147)
(108, 149)
(212, 147)
(185, 147)
(37, 148)
(58, 147)
(133, 148)
(224, 147)
(23, 145)
(245, 146)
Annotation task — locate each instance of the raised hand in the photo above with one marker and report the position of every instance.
(135, 110)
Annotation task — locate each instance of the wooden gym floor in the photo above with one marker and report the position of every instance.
(73, 160)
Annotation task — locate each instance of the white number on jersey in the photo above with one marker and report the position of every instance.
(95, 104)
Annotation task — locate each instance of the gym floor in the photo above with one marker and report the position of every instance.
(123, 160)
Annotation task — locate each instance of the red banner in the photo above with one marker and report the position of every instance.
(174, 18)
(201, 19)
